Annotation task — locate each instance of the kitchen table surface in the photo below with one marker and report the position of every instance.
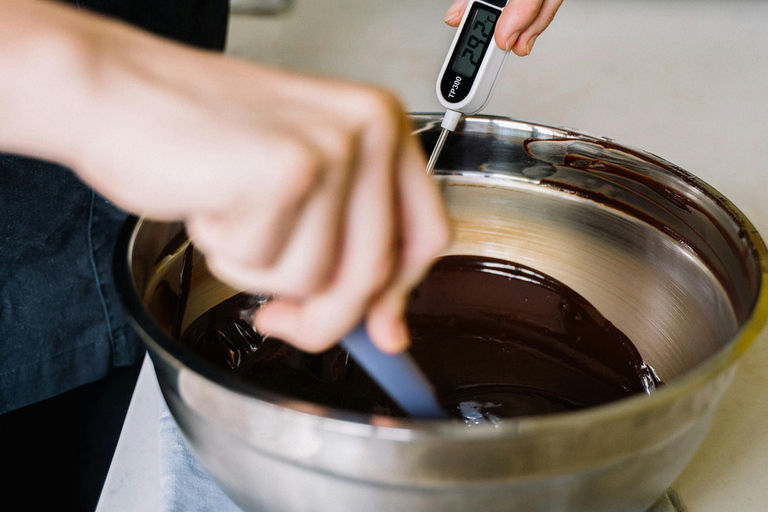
(684, 79)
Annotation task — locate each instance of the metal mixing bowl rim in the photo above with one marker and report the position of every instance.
(351, 423)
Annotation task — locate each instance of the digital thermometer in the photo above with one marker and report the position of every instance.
(471, 69)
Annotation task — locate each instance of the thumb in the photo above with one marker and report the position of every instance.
(455, 12)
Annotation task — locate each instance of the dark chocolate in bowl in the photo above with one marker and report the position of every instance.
(665, 258)
(497, 340)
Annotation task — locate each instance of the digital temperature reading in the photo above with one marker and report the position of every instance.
(473, 45)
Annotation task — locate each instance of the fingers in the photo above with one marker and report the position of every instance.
(253, 227)
(252, 241)
(521, 22)
(368, 255)
(306, 264)
(455, 12)
(522, 44)
(359, 230)
(516, 18)
(289, 245)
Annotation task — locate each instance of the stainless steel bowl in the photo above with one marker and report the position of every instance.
(662, 255)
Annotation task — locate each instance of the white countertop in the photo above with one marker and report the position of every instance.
(684, 79)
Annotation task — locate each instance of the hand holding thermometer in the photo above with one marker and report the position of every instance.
(471, 69)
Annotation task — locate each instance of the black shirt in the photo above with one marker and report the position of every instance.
(200, 23)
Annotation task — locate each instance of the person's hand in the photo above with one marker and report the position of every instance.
(519, 25)
(309, 189)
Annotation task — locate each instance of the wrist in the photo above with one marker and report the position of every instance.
(143, 100)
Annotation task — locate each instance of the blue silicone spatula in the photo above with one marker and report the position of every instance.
(397, 374)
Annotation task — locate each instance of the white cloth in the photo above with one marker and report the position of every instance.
(185, 485)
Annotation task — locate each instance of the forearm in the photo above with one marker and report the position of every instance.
(75, 87)
(86, 91)
(45, 82)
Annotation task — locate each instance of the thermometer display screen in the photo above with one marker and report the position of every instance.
(478, 33)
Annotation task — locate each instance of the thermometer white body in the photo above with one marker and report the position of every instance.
(471, 69)
(474, 61)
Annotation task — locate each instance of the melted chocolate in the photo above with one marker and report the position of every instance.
(690, 232)
(495, 338)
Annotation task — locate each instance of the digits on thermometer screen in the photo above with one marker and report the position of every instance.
(473, 45)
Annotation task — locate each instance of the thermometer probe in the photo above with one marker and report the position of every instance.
(471, 69)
